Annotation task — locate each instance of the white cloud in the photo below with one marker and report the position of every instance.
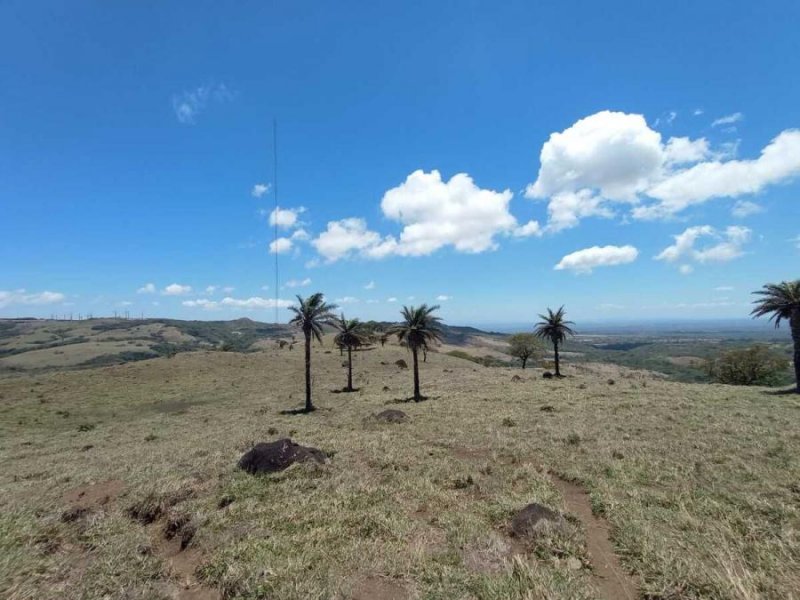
(211, 289)
(612, 161)
(583, 261)
(745, 208)
(682, 150)
(189, 104)
(443, 298)
(253, 303)
(294, 283)
(259, 190)
(147, 288)
(8, 298)
(370, 286)
(285, 217)
(392, 299)
(176, 289)
(723, 288)
(686, 269)
(530, 228)
(434, 214)
(300, 235)
(346, 300)
(281, 245)
(228, 289)
(728, 119)
(727, 244)
(697, 112)
(342, 238)
(124, 303)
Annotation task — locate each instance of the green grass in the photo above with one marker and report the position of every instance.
(700, 483)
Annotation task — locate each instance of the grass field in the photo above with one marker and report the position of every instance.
(699, 484)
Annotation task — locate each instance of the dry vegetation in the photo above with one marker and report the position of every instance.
(121, 482)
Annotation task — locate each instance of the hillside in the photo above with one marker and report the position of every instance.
(695, 488)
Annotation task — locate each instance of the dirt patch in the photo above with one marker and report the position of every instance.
(490, 554)
(182, 565)
(94, 495)
(379, 588)
(609, 578)
(391, 415)
(277, 456)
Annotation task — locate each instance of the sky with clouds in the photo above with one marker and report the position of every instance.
(630, 161)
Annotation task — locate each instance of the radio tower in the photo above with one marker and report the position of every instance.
(275, 187)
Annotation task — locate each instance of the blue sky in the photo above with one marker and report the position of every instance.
(495, 158)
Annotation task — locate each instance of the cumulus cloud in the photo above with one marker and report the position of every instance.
(176, 289)
(584, 261)
(745, 208)
(370, 286)
(259, 190)
(434, 214)
(725, 245)
(282, 245)
(253, 303)
(728, 119)
(343, 238)
(211, 289)
(294, 283)
(285, 217)
(147, 288)
(9, 298)
(612, 161)
(190, 103)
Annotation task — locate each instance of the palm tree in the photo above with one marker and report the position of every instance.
(782, 301)
(351, 335)
(418, 329)
(555, 328)
(310, 315)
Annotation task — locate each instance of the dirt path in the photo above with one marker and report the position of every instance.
(608, 576)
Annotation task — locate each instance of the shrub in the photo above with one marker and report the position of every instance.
(756, 365)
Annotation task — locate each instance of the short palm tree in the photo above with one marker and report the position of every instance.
(351, 335)
(782, 302)
(555, 328)
(418, 330)
(310, 315)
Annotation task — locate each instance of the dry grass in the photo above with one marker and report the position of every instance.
(701, 483)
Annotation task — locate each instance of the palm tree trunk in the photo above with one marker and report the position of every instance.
(309, 405)
(349, 369)
(794, 324)
(555, 349)
(417, 395)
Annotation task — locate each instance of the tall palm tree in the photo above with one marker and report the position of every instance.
(782, 302)
(310, 315)
(351, 335)
(555, 328)
(418, 330)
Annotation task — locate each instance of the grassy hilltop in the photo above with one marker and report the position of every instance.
(121, 481)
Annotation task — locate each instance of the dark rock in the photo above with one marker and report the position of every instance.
(277, 456)
(547, 375)
(401, 363)
(532, 520)
(391, 415)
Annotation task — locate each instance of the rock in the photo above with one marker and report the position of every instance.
(516, 378)
(547, 375)
(533, 520)
(391, 415)
(277, 456)
(401, 363)
(574, 564)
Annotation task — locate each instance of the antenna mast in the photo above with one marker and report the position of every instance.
(275, 184)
